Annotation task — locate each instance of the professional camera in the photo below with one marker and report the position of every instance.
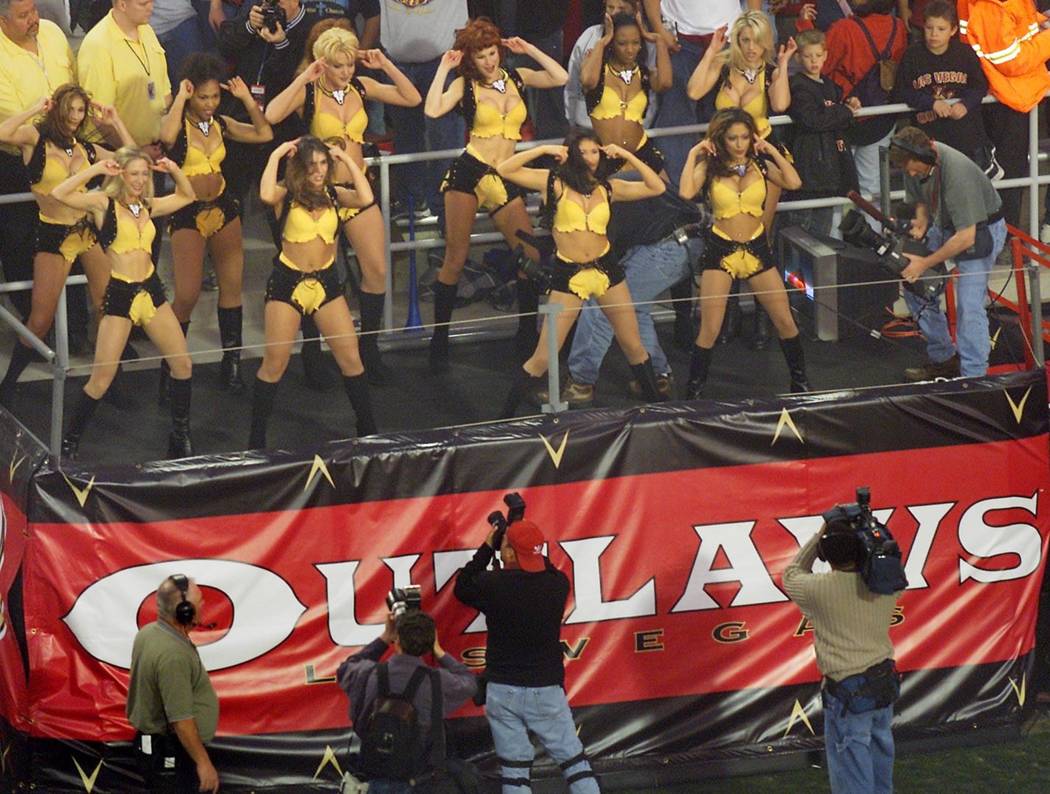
(404, 599)
(273, 15)
(499, 522)
(890, 247)
(879, 559)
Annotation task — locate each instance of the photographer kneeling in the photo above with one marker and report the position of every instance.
(850, 610)
(392, 703)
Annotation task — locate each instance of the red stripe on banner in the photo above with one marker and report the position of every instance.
(675, 583)
(12, 672)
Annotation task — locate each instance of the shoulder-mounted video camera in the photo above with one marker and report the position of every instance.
(878, 556)
(404, 599)
(515, 512)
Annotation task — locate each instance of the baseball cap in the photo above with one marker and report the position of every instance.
(527, 541)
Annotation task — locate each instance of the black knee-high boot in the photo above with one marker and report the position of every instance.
(315, 366)
(760, 334)
(164, 386)
(523, 386)
(444, 304)
(528, 305)
(371, 321)
(646, 378)
(699, 364)
(179, 443)
(357, 390)
(262, 407)
(82, 413)
(796, 361)
(21, 357)
(684, 313)
(733, 318)
(230, 323)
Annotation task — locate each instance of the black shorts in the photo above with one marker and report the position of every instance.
(589, 281)
(137, 301)
(468, 174)
(206, 217)
(69, 242)
(648, 153)
(304, 292)
(739, 260)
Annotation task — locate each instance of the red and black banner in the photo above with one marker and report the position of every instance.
(673, 523)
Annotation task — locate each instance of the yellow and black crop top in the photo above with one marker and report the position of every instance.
(484, 119)
(570, 216)
(45, 172)
(300, 226)
(728, 202)
(121, 233)
(603, 102)
(757, 107)
(330, 128)
(197, 162)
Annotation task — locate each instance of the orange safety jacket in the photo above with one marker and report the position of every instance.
(1011, 47)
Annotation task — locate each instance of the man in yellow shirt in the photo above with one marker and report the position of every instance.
(35, 59)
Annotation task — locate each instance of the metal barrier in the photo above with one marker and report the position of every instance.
(59, 358)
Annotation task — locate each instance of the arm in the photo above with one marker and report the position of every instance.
(293, 97)
(553, 74)
(439, 101)
(905, 90)
(591, 65)
(694, 173)
(190, 740)
(107, 115)
(976, 82)
(809, 112)
(269, 191)
(69, 193)
(623, 190)
(781, 172)
(656, 22)
(515, 168)
(458, 684)
(361, 195)
(17, 131)
(799, 574)
(780, 89)
(956, 244)
(706, 73)
(259, 131)
(184, 193)
(468, 589)
(575, 102)
(402, 93)
(663, 78)
(171, 123)
(370, 33)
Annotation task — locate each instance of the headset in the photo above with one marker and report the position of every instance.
(927, 154)
(185, 611)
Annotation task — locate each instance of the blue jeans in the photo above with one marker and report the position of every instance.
(677, 109)
(971, 290)
(859, 748)
(513, 711)
(180, 41)
(650, 270)
(414, 132)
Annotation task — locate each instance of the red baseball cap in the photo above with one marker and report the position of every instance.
(527, 541)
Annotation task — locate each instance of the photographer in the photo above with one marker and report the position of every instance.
(412, 634)
(959, 214)
(523, 605)
(854, 654)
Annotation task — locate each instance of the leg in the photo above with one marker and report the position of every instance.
(510, 219)
(281, 323)
(770, 292)
(971, 294)
(549, 717)
(187, 254)
(847, 740)
(882, 750)
(504, 708)
(165, 332)
(227, 254)
(460, 209)
(112, 336)
(365, 232)
(96, 268)
(617, 306)
(337, 325)
(714, 292)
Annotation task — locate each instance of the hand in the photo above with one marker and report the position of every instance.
(389, 634)
(215, 15)
(808, 12)
(452, 58)
(516, 45)
(287, 149)
(958, 111)
(942, 109)
(109, 167)
(918, 228)
(255, 18)
(372, 59)
(275, 36)
(208, 777)
(614, 150)
(239, 89)
(44, 104)
(338, 153)
(705, 148)
(490, 540)
(315, 70)
(786, 51)
(164, 166)
(913, 271)
(669, 39)
(718, 40)
(106, 114)
(607, 31)
(185, 90)
(853, 103)
(647, 34)
(762, 146)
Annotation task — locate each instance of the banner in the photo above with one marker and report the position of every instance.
(674, 525)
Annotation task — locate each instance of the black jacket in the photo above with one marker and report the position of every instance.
(817, 138)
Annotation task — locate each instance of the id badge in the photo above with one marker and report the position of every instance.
(259, 93)
(151, 90)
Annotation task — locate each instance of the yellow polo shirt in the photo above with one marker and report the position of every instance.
(130, 75)
(25, 77)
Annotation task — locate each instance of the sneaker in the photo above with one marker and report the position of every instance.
(933, 370)
(664, 385)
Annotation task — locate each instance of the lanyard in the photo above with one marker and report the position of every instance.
(145, 52)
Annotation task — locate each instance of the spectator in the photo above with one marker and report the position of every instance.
(368, 10)
(178, 30)
(35, 59)
(415, 36)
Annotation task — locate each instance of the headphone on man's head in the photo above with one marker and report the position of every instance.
(185, 611)
(926, 154)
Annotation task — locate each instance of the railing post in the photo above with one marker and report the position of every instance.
(554, 404)
(59, 368)
(884, 180)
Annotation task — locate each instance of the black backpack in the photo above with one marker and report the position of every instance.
(875, 88)
(393, 746)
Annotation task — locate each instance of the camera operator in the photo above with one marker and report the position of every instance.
(960, 214)
(412, 634)
(855, 655)
(523, 605)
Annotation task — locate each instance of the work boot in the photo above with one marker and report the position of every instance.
(796, 361)
(316, 371)
(646, 378)
(179, 443)
(576, 394)
(230, 322)
(699, 364)
(82, 413)
(262, 407)
(444, 304)
(932, 370)
(356, 387)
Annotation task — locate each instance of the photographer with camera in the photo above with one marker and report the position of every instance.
(523, 604)
(850, 610)
(959, 213)
(397, 707)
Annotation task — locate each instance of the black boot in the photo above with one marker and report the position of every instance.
(796, 361)
(684, 314)
(180, 445)
(316, 371)
(646, 378)
(21, 357)
(733, 318)
(523, 387)
(444, 304)
(262, 407)
(82, 413)
(230, 322)
(357, 390)
(372, 304)
(164, 386)
(528, 305)
(698, 367)
(760, 335)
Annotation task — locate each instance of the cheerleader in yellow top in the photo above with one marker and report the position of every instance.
(330, 98)
(577, 199)
(728, 169)
(53, 150)
(194, 136)
(618, 85)
(492, 100)
(122, 212)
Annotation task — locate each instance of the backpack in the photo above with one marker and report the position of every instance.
(875, 86)
(392, 743)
